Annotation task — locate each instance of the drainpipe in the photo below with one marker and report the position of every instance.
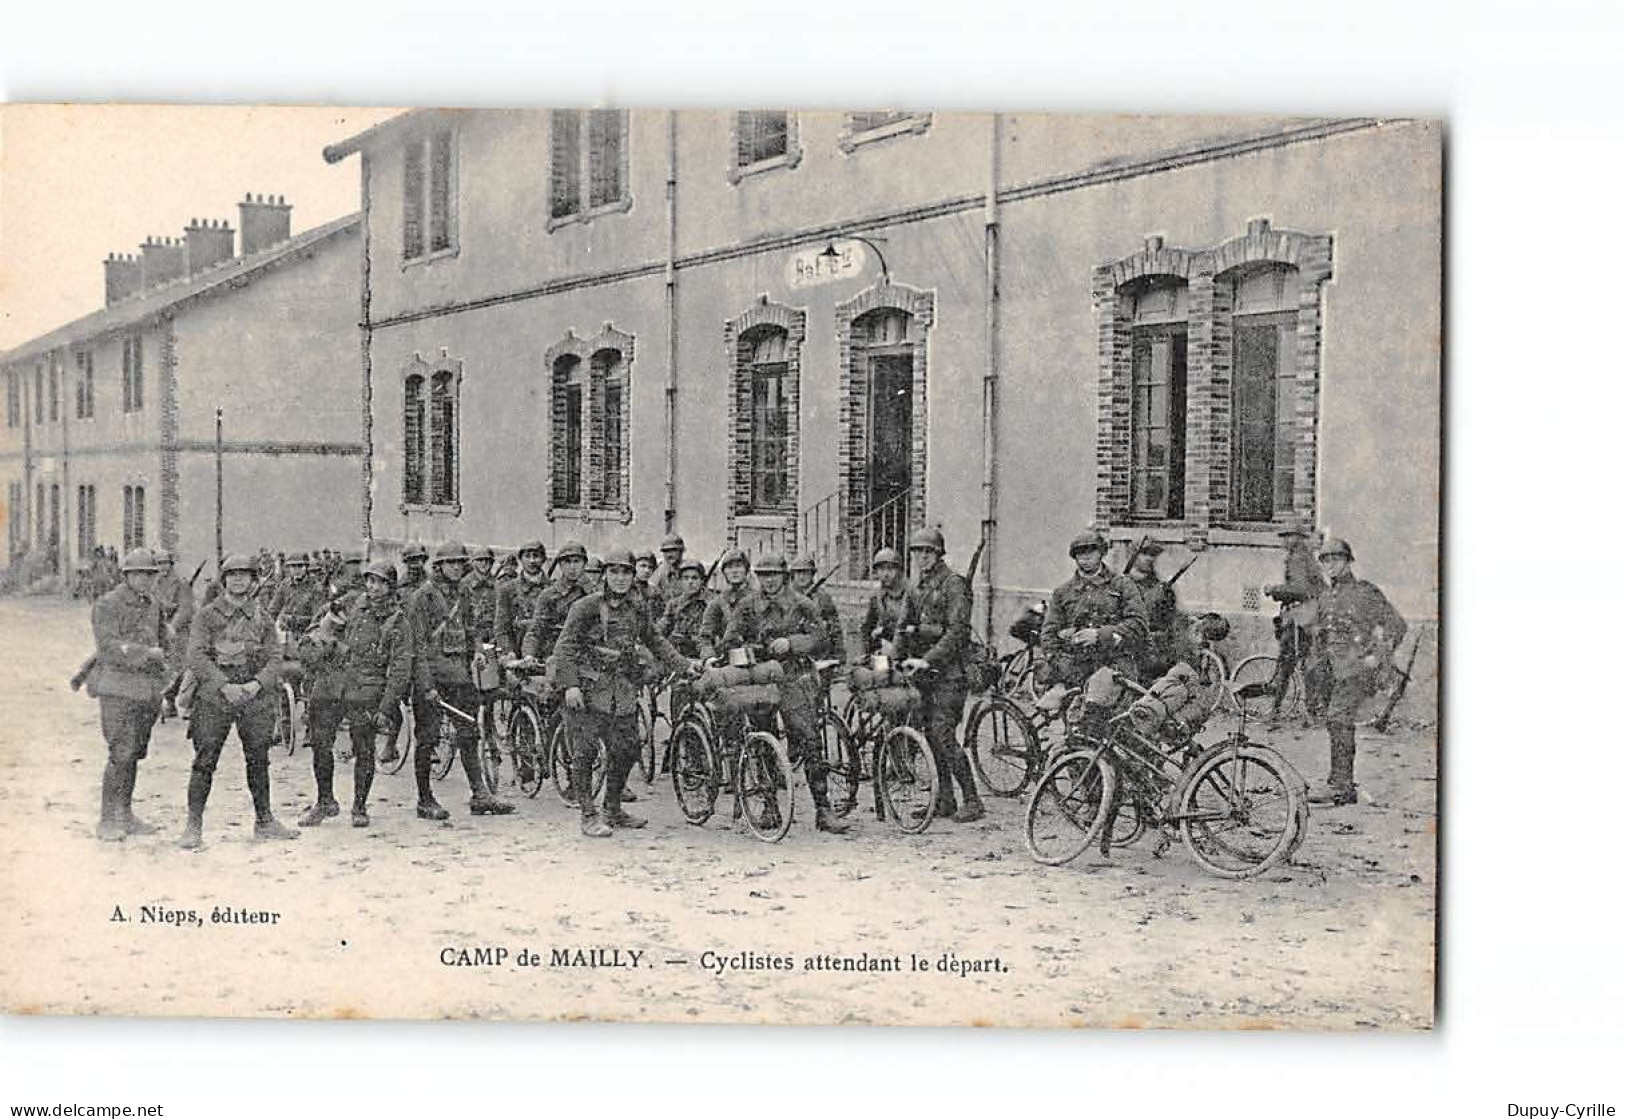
(990, 373)
(366, 357)
(671, 321)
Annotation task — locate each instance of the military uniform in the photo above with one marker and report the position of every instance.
(516, 603)
(360, 670)
(597, 651)
(552, 607)
(1163, 626)
(680, 622)
(482, 599)
(442, 618)
(236, 658)
(1105, 601)
(718, 612)
(890, 617)
(1299, 593)
(942, 638)
(128, 681)
(1358, 629)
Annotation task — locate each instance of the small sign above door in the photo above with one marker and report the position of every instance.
(811, 267)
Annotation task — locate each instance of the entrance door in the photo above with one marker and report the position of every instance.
(891, 451)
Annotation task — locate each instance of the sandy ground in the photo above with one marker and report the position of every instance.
(1340, 939)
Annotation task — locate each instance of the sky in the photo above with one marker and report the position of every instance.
(80, 181)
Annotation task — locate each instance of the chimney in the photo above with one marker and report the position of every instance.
(263, 220)
(123, 276)
(207, 243)
(161, 261)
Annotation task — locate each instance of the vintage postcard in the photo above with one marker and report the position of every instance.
(761, 566)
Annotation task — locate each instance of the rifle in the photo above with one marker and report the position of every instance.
(1182, 570)
(1380, 724)
(196, 571)
(1139, 546)
(821, 580)
(716, 563)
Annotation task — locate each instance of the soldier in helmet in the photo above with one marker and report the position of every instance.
(1298, 593)
(1358, 630)
(685, 609)
(1095, 626)
(176, 604)
(803, 574)
(735, 586)
(236, 657)
(1164, 627)
(643, 568)
(132, 666)
(668, 576)
(940, 642)
(442, 618)
(482, 592)
(592, 576)
(784, 624)
(599, 669)
(347, 576)
(414, 561)
(554, 602)
(301, 596)
(892, 615)
(517, 599)
(359, 654)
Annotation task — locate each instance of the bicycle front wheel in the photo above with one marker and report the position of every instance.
(646, 736)
(696, 771)
(906, 771)
(1260, 669)
(845, 769)
(445, 748)
(525, 749)
(287, 719)
(396, 746)
(1003, 746)
(562, 756)
(1068, 807)
(766, 795)
(1240, 811)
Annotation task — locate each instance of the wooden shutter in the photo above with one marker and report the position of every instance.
(565, 178)
(442, 441)
(412, 443)
(440, 191)
(605, 138)
(412, 202)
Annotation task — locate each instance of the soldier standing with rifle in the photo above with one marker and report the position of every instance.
(236, 658)
(1358, 631)
(804, 578)
(685, 608)
(599, 670)
(132, 661)
(553, 604)
(735, 566)
(175, 603)
(669, 575)
(442, 618)
(360, 658)
(943, 636)
(893, 612)
(1094, 627)
(1163, 625)
(411, 576)
(1298, 593)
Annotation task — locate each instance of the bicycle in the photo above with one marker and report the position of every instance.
(1238, 806)
(885, 712)
(292, 728)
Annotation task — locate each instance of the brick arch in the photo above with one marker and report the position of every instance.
(585, 351)
(853, 469)
(739, 339)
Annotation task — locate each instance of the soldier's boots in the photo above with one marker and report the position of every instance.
(110, 831)
(272, 828)
(1339, 788)
(628, 796)
(619, 818)
(594, 827)
(359, 817)
(1333, 796)
(971, 808)
(429, 809)
(192, 838)
(826, 820)
(969, 812)
(483, 803)
(134, 825)
(324, 808)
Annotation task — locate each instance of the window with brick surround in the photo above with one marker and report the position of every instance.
(443, 439)
(412, 441)
(1245, 335)
(589, 164)
(590, 409)
(769, 424)
(428, 195)
(133, 389)
(606, 485)
(568, 431)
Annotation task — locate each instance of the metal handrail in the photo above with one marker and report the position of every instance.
(886, 523)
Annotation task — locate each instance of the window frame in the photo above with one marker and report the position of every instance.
(1175, 419)
(1284, 325)
(421, 150)
(789, 159)
(438, 470)
(580, 365)
(903, 122)
(581, 178)
(132, 382)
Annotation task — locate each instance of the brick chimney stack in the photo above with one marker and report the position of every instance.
(264, 220)
(123, 276)
(162, 260)
(208, 243)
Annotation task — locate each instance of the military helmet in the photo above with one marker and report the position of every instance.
(693, 565)
(772, 563)
(238, 562)
(163, 555)
(353, 555)
(1336, 546)
(533, 546)
(380, 569)
(1151, 548)
(885, 556)
(138, 559)
(485, 552)
(449, 552)
(299, 558)
(572, 550)
(414, 552)
(804, 562)
(645, 555)
(734, 555)
(672, 542)
(927, 538)
(618, 557)
(594, 565)
(1083, 541)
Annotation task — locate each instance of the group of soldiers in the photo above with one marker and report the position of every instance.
(438, 634)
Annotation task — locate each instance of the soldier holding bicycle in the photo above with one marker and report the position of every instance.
(1094, 627)
(517, 599)
(784, 624)
(598, 666)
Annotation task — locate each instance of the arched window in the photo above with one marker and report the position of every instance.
(609, 375)
(412, 471)
(1262, 397)
(1157, 310)
(568, 432)
(769, 423)
(443, 439)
